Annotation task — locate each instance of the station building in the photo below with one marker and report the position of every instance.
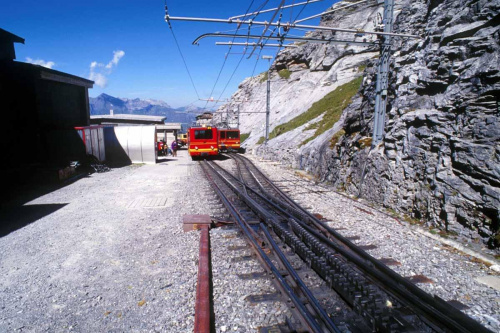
(40, 109)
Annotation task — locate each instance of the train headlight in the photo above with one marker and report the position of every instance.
(196, 147)
(212, 147)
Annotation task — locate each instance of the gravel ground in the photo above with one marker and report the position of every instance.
(106, 259)
(454, 274)
(234, 312)
(104, 256)
(107, 254)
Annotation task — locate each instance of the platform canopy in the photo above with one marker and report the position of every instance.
(127, 119)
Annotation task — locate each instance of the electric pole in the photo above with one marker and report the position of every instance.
(268, 97)
(383, 75)
(238, 117)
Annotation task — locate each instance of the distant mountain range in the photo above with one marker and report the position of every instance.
(103, 103)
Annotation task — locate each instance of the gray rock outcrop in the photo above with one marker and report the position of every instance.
(440, 158)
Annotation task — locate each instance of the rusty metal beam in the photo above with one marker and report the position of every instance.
(202, 308)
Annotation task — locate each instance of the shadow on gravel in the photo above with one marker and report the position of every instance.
(14, 218)
(162, 160)
(221, 157)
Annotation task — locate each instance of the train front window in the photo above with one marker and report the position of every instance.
(232, 135)
(222, 135)
(203, 134)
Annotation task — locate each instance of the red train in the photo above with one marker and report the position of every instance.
(229, 139)
(203, 141)
(210, 141)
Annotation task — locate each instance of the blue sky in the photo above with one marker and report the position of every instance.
(128, 48)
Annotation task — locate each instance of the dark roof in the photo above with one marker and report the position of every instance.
(53, 75)
(129, 117)
(43, 73)
(6, 36)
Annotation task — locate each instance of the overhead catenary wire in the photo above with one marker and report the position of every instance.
(225, 57)
(284, 34)
(301, 10)
(256, 62)
(266, 26)
(264, 37)
(231, 77)
(260, 51)
(183, 58)
(255, 14)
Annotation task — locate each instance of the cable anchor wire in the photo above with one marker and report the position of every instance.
(167, 17)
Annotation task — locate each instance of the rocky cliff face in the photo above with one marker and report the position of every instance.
(314, 71)
(440, 159)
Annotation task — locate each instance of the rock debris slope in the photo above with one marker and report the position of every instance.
(440, 159)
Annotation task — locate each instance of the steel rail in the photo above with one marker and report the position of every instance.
(311, 299)
(366, 307)
(438, 310)
(317, 307)
(306, 316)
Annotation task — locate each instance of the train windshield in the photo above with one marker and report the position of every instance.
(203, 134)
(233, 134)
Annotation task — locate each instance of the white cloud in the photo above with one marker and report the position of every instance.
(48, 64)
(99, 79)
(117, 55)
(99, 72)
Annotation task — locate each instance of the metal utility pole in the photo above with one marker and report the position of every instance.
(238, 117)
(383, 75)
(268, 98)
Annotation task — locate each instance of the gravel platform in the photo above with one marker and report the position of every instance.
(110, 257)
(108, 254)
(455, 275)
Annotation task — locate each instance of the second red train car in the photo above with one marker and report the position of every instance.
(229, 139)
(203, 142)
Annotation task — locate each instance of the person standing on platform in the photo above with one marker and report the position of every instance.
(174, 148)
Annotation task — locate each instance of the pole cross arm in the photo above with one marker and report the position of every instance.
(261, 44)
(304, 39)
(278, 24)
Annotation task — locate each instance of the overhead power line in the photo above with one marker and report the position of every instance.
(266, 26)
(225, 57)
(183, 59)
(330, 11)
(272, 9)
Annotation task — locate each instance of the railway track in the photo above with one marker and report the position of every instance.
(379, 299)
